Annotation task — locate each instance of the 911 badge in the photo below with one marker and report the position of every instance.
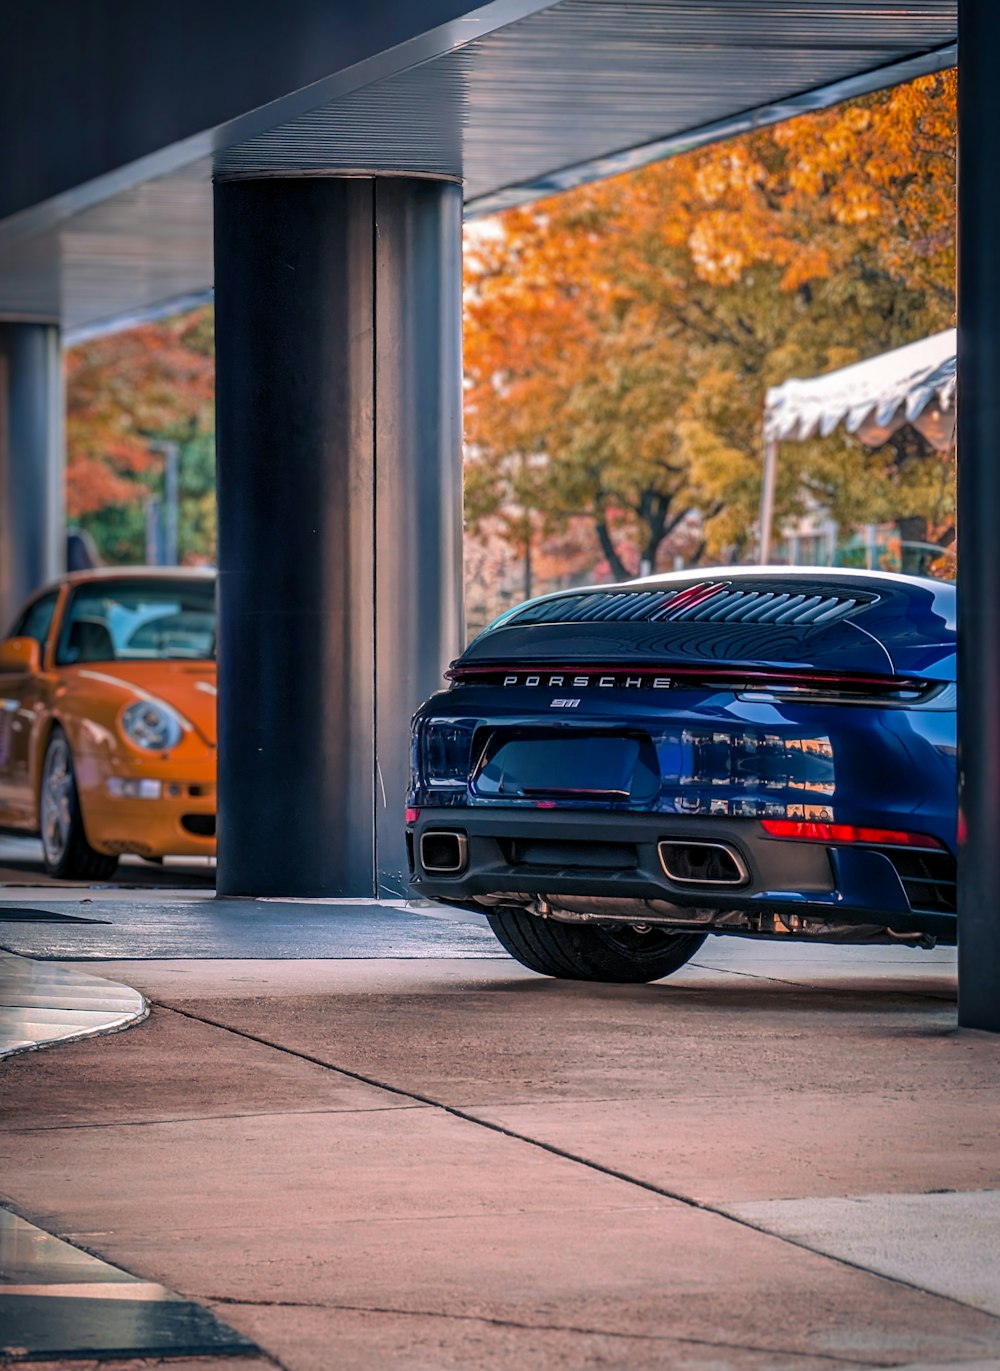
(563, 704)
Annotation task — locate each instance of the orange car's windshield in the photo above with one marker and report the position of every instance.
(138, 620)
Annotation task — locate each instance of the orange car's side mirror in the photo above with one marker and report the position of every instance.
(20, 654)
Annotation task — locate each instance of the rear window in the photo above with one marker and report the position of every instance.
(139, 620)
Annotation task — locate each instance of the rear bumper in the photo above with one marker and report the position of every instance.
(615, 856)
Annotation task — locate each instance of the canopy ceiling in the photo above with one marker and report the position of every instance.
(518, 107)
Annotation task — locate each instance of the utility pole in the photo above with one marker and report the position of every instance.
(154, 531)
(768, 484)
(171, 498)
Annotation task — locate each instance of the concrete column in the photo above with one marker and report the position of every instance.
(32, 524)
(338, 337)
(979, 517)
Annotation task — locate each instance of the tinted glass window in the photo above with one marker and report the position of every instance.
(36, 619)
(133, 621)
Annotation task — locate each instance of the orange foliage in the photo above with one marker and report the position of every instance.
(883, 168)
(123, 389)
(620, 338)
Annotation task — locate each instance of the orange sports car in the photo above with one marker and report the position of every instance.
(107, 718)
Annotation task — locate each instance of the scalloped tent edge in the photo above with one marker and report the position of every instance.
(914, 385)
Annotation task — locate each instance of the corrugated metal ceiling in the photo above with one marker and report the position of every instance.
(583, 88)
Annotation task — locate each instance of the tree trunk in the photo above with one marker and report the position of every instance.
(655, 510)
(618, 567)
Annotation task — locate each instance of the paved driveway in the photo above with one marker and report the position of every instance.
(782, 1157)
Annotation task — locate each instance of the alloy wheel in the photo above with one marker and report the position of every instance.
(57, 801)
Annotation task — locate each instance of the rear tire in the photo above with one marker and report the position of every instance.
(592, 952)
(68, 855)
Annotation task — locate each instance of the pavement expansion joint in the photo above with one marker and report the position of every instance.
(746, 975)
(730, 1216)
(118, 1124)
(587, 1331)
(796, 985)
(894, 1278)
(940, 1242)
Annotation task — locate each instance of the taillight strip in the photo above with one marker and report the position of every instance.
(732, 675)
(811, 832)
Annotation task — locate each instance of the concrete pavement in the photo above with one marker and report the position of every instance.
(445, 1161)
(363, 1137)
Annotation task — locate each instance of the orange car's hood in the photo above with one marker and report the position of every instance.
(188, 686)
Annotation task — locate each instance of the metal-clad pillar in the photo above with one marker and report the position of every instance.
(418, 478)
(32, 526)
(979, 516)
(338, 343)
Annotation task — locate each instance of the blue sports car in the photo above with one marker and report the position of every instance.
(616, 772)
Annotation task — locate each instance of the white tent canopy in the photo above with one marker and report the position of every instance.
(914, 385)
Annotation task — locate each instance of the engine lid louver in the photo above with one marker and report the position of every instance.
(706, 602)
(769, 607)
(593, 607)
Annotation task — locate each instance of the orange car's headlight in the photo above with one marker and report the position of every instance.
(151, 725)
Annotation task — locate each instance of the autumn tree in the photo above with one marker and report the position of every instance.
(123, 390)
(620, 338)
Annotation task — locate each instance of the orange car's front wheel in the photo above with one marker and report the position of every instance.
(68, 855)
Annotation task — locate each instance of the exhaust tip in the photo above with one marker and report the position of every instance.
(694, 863)
(444, 851)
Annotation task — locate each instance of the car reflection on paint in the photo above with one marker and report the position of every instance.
(107, 719)
(616, 772)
